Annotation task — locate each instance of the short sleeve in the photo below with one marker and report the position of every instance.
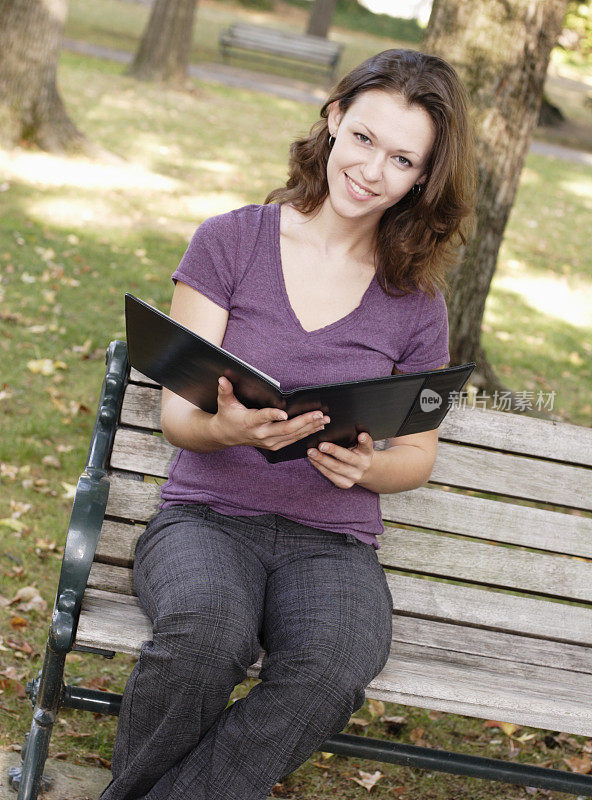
(427, 347)
(210, 262)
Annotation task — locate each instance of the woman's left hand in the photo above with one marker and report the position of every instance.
(343, 466)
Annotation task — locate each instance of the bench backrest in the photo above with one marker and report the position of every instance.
(314, 48)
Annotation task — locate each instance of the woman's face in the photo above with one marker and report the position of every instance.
(382, 146)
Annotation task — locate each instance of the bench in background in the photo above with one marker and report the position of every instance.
(492, 596)
(313, 51)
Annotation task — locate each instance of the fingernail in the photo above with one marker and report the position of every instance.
(318, 415)
(311, 452)
(323, 447)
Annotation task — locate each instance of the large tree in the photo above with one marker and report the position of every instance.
(165, 47)
(31, 107)
(501, 48)
(320, 17)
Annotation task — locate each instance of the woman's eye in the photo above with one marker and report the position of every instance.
(404, 161)
(361, 137)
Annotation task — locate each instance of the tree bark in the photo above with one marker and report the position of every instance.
(165, 48)
(501, 49)
(31, 107)
(320, 18)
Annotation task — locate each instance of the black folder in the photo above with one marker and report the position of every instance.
(190, 366)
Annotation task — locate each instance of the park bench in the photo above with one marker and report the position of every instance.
(492, 594)
(313, 51)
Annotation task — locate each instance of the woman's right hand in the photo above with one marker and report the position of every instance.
(269, 428)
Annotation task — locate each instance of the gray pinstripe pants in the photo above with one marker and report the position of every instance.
(216, 588)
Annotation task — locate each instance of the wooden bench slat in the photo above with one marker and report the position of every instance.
(453, 512)
(135, 376)
(461, 683)
(470, 606)
(111, 578)
(480, 690)
(519, 654)
(522, 651)
(142, 452)
(494, 565)
(513, 476)
(498, 430)
(441, 601)
(456, 465)
(519, 433)
(117, 543)
(132, 500)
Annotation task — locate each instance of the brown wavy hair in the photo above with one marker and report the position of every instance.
(418, 239)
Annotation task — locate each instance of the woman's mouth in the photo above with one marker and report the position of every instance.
(359, 192)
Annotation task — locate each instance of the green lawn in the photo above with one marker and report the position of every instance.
(75, 235)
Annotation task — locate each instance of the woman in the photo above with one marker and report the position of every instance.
(334, 278)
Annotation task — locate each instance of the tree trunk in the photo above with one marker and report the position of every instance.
(30, 104)
(164, 51)
(320, 18)
(501, 49)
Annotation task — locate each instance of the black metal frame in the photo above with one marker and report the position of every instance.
(48, 692)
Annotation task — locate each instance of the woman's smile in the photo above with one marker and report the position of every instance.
(357, 190)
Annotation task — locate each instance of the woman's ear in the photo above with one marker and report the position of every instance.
(334, 117)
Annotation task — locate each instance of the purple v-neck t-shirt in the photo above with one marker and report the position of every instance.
(234, 259)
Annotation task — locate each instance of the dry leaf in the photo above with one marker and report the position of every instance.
(13, 524)
(367, 779)
(582, 765)
(51, 461)
(507, 727)
(29, 599)
(18, 509)
(9, 471)
(18, 622)
(69, 491)
(376, 707)
(362, 723)
(416, 736)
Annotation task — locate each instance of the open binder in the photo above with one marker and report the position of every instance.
(188, 365)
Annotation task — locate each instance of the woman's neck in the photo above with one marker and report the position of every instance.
(340, 237)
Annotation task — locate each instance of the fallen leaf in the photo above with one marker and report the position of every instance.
(376, 707)
(416, 736)
(507, 727)
(367, 779)
(18, 622)
(582, 765)
(361, 723)
(96, 759)
(13, 524)
(9, 471)
(51, 461)
(29, 599)
(18, 509)
(69, 491)
(41, 366)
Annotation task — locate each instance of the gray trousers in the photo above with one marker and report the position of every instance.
(217, 588)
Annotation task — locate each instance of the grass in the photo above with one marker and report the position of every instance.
(74, 236)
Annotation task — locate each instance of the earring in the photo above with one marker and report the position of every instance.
(331, 140)
(416, 190)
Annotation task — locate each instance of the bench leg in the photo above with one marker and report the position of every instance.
(28, 779)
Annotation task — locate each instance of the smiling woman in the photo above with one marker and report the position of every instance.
(332, 279)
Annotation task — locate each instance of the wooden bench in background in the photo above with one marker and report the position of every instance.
(492, 595)
(313, 51)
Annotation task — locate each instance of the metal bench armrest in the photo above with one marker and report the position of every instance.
(90, 502)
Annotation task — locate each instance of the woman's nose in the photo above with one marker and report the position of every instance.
(372, 169)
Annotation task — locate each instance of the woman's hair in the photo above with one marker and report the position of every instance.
(418, 238)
